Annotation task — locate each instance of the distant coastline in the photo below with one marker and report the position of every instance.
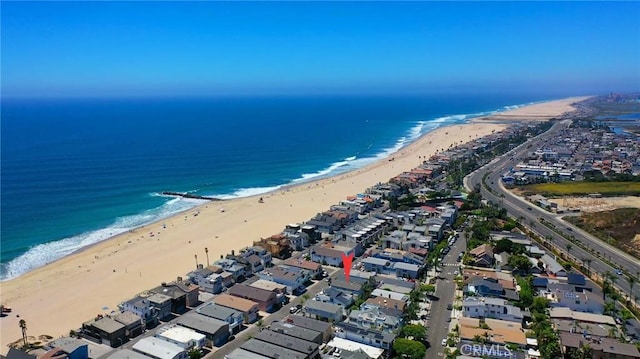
(45, 251)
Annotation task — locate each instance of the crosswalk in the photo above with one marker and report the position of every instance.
(450, 264)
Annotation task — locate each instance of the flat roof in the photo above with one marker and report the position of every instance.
(217, 311)
(270, 350)
(345, 344)
(108, 325)
(308, 323)
(202, 323)
(241, 304)
(240, 353)
(325, 307)
(180, 334)
(286, 341)
(157, 348)
(268, 285)
(295, 331)
(126, 354)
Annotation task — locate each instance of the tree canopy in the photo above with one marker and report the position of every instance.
(409, 349)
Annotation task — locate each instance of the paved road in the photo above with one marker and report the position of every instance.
(519, 208)
(437, 325)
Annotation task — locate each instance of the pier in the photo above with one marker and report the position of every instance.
(190, 196)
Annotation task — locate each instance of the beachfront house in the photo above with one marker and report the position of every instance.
(234, 318)
(105, 330)
(65, 347)
(267, 300)
(133, 323)
(161, 303)
(325, 311)
(208, 279)
(248, 308)
(277, 245)
(183, 294)
(216, 331)
(263, 254)
(142, 307)
(298, 240)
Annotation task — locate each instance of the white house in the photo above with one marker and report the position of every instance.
(494, 308)
(584, 301)
(185, 338)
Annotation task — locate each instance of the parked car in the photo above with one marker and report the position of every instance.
(449, 307)
(293, 310)
(444, 341)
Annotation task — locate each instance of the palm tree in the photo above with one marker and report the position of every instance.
(23, 327)
(569, 246)
(632, 281)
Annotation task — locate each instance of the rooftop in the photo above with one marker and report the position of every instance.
(179, 334)
(307, 323)
(230, 301)
(251, 293)
(126, 354)
(217, 311)
(606, 345)
(157, 348)
(271, 350)
(286, 341)
(201, 323)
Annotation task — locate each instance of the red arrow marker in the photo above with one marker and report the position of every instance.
(346, 264)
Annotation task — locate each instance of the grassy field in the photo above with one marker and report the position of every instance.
(584, 188)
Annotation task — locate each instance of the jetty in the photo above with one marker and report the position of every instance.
(190, 196)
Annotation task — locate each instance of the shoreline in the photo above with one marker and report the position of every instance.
(144, 257)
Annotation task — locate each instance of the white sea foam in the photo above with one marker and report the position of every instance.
(247, 192)
(45, 253)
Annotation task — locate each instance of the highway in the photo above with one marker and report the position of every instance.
(529, 214)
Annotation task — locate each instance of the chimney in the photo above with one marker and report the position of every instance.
(164, 284)
(179, 279)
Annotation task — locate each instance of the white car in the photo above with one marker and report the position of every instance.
(444, 342)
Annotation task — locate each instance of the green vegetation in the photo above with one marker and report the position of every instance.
(584, 188)
(414, 332)
(409, 349)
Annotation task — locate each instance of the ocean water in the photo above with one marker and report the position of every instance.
(77, 171)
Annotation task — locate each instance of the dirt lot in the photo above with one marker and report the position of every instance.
(586, 204)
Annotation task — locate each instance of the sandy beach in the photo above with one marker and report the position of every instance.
(538, 111)
(60, 296)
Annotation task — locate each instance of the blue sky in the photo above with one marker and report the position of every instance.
(184, 48)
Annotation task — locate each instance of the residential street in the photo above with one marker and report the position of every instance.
(437, 325)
